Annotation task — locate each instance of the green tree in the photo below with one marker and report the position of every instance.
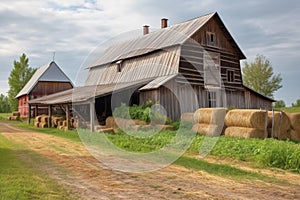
(4, 104)
(279, 104)
(297, 104)
(259, 76)
(19, 76)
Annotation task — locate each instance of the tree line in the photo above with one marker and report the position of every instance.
(19, 76)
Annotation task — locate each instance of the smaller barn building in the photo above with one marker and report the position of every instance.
(47, 80)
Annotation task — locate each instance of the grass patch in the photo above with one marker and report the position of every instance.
(3, 116)
(290, 109)
(18, 180)
(264, 153)
(70, 134)
(268, 152)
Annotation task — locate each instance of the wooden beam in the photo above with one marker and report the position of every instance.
(92, 116)
(68, 116)
(29, 113)
(50, 115)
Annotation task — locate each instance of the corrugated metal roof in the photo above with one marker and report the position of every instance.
(49, 72)
(153, 65)
(163, 38)
(85, 93)
(159, 81)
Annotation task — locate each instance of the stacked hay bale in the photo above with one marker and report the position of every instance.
(44, 121)
(15, 116)
(37, 121)
(279, 123)
(209, 121)
(55, 121)
(246, 123)
(295, 125)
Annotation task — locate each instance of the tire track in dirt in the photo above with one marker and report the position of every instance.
(72, 165)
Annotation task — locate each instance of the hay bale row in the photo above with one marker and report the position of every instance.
(210, 115)
(246, 118)
(244, 132)
(281, 127)
(208, 129)
(295, 126)
(209, 121)
(294, 120)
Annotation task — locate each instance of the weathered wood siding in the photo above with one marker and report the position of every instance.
(253, 100)
(43, 88)
(23, 106)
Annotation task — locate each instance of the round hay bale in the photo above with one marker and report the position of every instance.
(195, 128)
(210, 115)
(282, 134)
(44, 118)
(187, 117)
(8, 118)
(280, 122)
(110, 122)
(295, 135)
(38, 118)
(246, 118)
(16, 114)
(36, 124)
(43, 125)
(295, 120)
(209, 129)
(242, 132)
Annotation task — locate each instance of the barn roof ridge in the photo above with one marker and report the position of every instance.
(36, 77)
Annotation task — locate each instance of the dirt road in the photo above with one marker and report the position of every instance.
(71, 165)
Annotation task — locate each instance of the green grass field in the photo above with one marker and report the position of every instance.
(20, 180)
(263, 153)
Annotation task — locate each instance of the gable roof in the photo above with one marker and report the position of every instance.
(164, 38)
(50, 72)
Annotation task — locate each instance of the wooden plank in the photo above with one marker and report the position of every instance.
(92, 116)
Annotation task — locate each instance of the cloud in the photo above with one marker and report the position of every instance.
(73, 28)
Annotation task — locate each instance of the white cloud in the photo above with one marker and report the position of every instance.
(73, 28)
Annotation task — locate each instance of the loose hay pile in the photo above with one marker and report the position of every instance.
(295, 126)
(209, 121)
(245, 123)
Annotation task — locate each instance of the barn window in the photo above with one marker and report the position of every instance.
(212, 99)
(230, 76)
(211, 38)
(119, 65)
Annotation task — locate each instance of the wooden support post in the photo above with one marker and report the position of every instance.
(29, 113)
(68, 116)
(273, 121)
(36, 111)
(266, 124)
(50, 115)
(92, 116)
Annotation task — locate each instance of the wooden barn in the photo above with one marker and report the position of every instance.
(46, 80)
(183, 67)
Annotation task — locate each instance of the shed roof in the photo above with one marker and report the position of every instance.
(86, 93)
(171, 36)
(50, 72)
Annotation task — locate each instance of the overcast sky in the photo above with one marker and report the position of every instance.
(74, 28)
